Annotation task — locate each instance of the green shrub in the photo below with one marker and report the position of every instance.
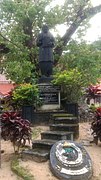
(71, 84)
(26, 94)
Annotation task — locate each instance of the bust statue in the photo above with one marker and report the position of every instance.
(45, 42)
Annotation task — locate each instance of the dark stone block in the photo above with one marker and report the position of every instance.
(71, 108)
(42, 117)
(43, 144)
(45, 79)
(65, 120)
(28, 112)
(37, 154)
(57, 135)
(66, 128)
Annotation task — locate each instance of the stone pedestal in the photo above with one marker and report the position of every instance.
(50, 96)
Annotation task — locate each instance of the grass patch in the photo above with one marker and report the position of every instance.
(19, 170)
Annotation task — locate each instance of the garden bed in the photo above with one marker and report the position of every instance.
(41, 170)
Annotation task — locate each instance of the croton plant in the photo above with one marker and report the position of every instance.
(15, 129)
(96, 125)
(93, 90)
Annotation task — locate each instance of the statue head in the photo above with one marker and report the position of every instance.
(45, 28)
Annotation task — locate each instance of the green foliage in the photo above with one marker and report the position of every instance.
(71, 84)
(18, 71)
(79, 66)
(86, 58)
(21, 22)
(92, 108)
(26, 94)
(80, 63)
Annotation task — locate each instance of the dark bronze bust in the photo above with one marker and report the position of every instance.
(45, 42)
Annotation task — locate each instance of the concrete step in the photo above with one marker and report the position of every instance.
(43, 143)
(66, 128)
(40, 150)
(65, 120)
(57, 135)
(54, 115)
(36, 154)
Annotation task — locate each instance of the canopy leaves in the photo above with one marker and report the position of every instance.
(20, 23)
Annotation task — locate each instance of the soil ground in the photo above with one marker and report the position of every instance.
(41, 171)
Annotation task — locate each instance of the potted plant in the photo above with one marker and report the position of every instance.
(71, 84)
(24, 97)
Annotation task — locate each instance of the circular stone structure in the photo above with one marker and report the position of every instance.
(70, 161)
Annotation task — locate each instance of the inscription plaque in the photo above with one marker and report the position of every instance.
(48, 88)
(49, 94)
(49, 98)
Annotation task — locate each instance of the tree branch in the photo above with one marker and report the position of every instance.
(81, 16)
(1, 49)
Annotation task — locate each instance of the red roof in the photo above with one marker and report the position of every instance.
(5, 88)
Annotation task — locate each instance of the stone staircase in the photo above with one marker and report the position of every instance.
(62, 126)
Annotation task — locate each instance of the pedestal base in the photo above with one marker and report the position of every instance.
(44, 79)
(48, 107)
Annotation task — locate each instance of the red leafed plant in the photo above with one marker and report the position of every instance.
(96, 125)
(93, 90)
(15, 129)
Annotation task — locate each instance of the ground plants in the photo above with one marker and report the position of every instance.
(96, 125)
(15, 129)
